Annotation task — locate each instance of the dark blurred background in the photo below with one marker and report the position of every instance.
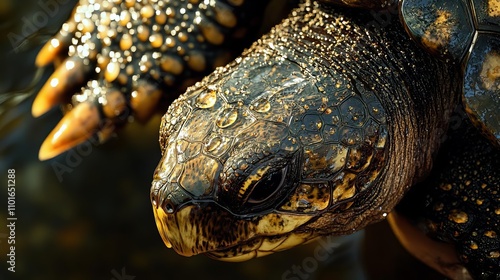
(94, 220)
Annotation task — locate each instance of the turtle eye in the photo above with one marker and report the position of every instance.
(267, 186)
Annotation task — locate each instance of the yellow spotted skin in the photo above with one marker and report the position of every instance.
(150, 51)
(460, 202)
(318, 129)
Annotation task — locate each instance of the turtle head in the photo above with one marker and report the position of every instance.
(219, 195)
(310, 132)
(231, 168)
(263, 155)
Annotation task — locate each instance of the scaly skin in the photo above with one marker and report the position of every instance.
(121, 58)
(460, 201)
(318, 129)
(466, 33)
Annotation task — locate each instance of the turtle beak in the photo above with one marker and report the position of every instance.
(197, 227)
(161, 223)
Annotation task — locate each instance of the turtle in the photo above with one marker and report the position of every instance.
(319, 128)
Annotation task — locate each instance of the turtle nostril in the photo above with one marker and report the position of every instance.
(168, 196)
(168, 206)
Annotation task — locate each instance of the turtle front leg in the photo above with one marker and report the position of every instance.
(116, 60)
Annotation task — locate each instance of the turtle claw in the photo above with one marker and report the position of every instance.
(67, 76)
(75, 127)
(98, 111)
(54, 48)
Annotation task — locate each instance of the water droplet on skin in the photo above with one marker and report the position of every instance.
(213, 144)
(170, 12)
(147, 11)
(445, 187)
(490, 234)
(206, 99)
(227, 118)
(112, 71)
(458, 217)
(126, 42)
(261, 106)
(438, 206)
(124, 17)
(142, 33)
(156, 40)
(305, 189)
(183, 37)
(88, 25)
(181, 146)
(494, 254)
(302, 203)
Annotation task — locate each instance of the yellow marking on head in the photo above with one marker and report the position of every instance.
(493, 8)
(253, 178)
(345, 189)
(308, 198)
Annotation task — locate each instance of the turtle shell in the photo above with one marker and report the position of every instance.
(465, 32)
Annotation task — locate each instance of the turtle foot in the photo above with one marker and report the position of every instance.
(134, 55)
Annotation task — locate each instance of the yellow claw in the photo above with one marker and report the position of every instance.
(49, 52)
(75, 127)
(58, 44)
(68, 75)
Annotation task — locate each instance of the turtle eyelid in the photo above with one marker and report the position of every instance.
(267, 186)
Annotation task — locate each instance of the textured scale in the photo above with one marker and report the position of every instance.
(460, 202)
(312, 131)
(149, 51)
(465, 32)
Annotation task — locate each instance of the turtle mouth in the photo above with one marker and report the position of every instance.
(261, 246)
(213, 231)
